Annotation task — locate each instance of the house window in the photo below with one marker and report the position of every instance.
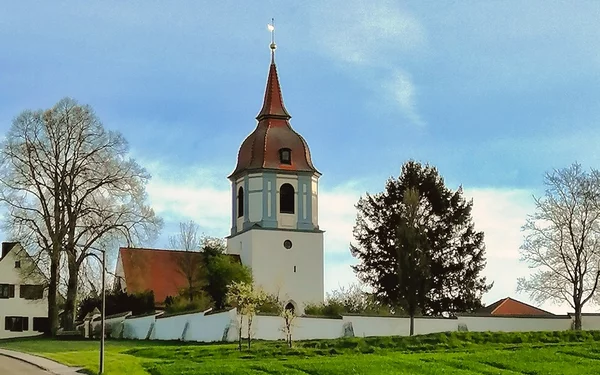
(18, 264)
(7, 291)
(16, 323)
(32, 292)
(286, 199)
(285, 156)
(240, 201)
(41, 325)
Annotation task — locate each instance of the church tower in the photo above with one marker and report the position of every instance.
(274, 200)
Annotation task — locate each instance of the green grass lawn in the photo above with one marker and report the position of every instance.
(451, 353)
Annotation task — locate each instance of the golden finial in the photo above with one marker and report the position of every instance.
(273, 46)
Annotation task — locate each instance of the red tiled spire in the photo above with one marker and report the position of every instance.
(273, 103)
(273, 133)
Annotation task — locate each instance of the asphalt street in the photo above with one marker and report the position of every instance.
(9, 366)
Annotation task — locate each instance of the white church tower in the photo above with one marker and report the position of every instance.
(275, 227)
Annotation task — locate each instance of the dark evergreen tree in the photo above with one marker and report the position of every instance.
(417, 245)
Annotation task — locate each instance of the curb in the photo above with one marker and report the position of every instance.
(22, 360)
(67, 370)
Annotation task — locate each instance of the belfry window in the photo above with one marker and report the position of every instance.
(240, 202)
(285, 156)
(286, 199)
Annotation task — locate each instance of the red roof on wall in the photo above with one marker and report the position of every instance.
(509, 306)
(157, 270)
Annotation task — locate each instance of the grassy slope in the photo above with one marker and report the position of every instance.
(453, 353)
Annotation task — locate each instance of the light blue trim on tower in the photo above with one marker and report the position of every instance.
(304, 218)
(233, 208)
(269, 221)
(247, 223)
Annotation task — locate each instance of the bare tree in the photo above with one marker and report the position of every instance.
(187, 238)
(71, 188)
(562, 240)
(190, 263)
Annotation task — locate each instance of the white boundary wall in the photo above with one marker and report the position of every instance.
(303, 328)
(201, 327)
(514, 324)
(209, 328)
(138, 328)
(364, 326)
(590, 322)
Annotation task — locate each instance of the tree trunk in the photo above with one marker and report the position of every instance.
(53, 294)
(577, 325)
(249, 330)
(240, 332)
(412, 324)
(71, 303)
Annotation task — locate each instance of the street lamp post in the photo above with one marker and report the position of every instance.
(103, 308)
(101, 367)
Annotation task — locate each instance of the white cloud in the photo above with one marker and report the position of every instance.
(365, 33)
(372, 37)
(403, 93)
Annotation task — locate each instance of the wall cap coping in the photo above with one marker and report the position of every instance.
(398, 316)
(191, 312)
(514, 316)
(214, 312)
(155, 313)
(119, 315)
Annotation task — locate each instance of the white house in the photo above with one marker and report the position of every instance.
(23, 300)
(274, 201)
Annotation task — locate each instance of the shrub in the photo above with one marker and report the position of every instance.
(118, 302)
(181, 303)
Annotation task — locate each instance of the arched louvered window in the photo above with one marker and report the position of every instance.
(286, 199)
(240, 202)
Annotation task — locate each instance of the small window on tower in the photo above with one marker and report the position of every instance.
(285, 156)
(240, 202)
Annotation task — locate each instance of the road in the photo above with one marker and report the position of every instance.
(9, 366)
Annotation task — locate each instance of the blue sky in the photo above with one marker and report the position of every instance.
(492, 93)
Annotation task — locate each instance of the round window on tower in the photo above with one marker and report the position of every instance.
(287, 244)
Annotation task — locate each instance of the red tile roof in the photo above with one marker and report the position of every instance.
(157, 270)
(260, 150)
(509, 306)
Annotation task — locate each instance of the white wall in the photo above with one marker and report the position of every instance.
(170, 328)
(514, 324)
(114, 325)
(364, 326)
(316, 328)
(18, 306)
(272, 328)
(590, 322)
(273, 265)
(208, 328)
(137, 328)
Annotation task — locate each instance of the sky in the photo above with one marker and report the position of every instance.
(494, 94)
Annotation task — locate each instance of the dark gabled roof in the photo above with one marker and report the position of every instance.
(158, 270)
(6, 248)
(510, 306)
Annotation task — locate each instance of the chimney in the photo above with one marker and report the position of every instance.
(6, 247)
